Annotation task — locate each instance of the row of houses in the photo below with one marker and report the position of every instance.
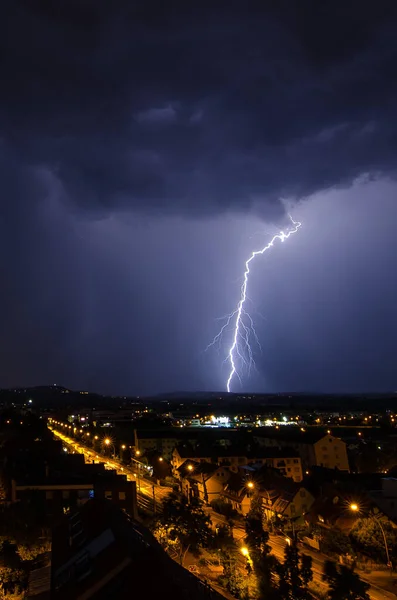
(282, 497)
(285, 460)
(317, 500)
(268, 445)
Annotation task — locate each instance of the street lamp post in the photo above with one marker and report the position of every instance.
(137, 475)
(270, 505)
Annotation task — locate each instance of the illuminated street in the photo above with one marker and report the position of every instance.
(146, 490)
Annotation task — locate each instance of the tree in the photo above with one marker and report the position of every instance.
(336, 542)
(222, 507)
(367, 535)
(263, 562)
(185, 525)
(295, 574)
(344, 583)
(228, 552)
(25, 524)
(13, 578)
(256, 508)
(306, 571)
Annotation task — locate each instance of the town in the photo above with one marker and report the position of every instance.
(292, 501)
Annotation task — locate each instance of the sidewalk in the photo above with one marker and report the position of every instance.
(381, 580)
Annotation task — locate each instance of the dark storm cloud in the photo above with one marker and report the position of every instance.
(179, 109)
(189, 110)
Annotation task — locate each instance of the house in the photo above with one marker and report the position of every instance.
(63, 481)
(98, 552)
(331, 511)
(161, 441)
(386, 498)
(60, 493)
(205, 453)
(285, 499)
(186, 452)
(238, 494)
(284, 460)
(204, 481)
(314, 447)
(281, 497)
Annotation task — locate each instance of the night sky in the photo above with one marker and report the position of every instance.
(146, 149)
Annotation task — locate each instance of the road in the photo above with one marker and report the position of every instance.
(149, 494)
(278, 544)
(147, 490)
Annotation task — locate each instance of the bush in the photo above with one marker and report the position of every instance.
(336, 542)
(223, 508)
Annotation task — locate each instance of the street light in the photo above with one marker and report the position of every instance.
(246, 553)
(190, 467)
(355, 508)
(108, 442)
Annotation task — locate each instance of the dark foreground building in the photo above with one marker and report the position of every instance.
(99, 552)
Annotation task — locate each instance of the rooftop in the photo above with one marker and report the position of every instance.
(198, 468)
(292, 434)
(120, 556)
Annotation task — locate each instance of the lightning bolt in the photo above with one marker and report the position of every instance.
(243, 327)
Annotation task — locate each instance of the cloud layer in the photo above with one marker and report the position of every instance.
(191, 111)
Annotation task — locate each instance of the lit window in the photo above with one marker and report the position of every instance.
(121, 495)
(108, 495)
